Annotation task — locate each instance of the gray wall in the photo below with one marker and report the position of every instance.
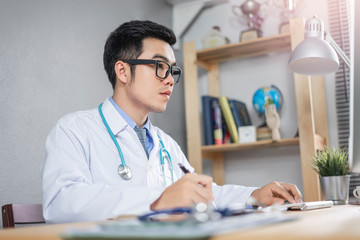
(51, 65)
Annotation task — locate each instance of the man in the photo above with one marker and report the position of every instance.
(98, 163)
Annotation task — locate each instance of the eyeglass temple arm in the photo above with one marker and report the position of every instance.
(338, 50)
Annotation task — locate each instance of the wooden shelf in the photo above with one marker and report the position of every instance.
(310, 104)
(249, 146)
(255, 47)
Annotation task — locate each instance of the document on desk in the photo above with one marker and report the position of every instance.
(135, 229)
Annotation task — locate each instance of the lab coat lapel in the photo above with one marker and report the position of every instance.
(118, 124)
(154, 154)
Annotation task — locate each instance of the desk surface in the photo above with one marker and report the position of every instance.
(338, 222)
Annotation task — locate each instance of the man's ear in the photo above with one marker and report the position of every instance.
(122, 71)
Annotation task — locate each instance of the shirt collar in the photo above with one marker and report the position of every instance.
(127, 118)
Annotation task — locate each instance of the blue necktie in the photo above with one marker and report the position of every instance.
(141, 133)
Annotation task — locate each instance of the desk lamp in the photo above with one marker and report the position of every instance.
(315, 55)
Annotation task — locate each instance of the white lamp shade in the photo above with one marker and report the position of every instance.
(314, 56)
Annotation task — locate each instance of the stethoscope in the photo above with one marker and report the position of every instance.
(123, 170)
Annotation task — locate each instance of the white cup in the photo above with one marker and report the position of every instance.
(356, 192)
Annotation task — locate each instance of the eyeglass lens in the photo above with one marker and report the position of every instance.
(163, 69)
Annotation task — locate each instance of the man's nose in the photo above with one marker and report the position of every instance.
(169, 80)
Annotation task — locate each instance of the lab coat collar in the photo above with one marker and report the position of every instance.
(117, 123)
(113, 118)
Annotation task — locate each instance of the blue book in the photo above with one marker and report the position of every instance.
(235, 114)
(207, 119)
(240, 113)
(212, 120)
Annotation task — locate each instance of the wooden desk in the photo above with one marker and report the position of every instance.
(339, 222)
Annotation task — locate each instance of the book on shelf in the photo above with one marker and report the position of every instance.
(226, 134)
(229, 119)
(222, 118)
(212, 119)
(217, 122)
(263, 133)
(207, 119)
(240, 113)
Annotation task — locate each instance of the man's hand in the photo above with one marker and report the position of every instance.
(277, 193)
(185, 192)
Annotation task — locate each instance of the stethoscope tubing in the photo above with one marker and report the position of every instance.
(123, 164)
(112, 136)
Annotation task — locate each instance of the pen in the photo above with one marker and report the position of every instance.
(185, 171)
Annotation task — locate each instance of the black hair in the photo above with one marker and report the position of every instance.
(126, 42)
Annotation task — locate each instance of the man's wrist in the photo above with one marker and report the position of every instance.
(253, 199)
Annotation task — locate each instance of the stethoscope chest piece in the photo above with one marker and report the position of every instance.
(124, 172)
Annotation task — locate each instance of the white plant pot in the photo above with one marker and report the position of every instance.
(335, 188)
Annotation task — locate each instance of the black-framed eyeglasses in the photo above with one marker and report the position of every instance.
(163, 69)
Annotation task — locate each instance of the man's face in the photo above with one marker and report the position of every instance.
(147, 92)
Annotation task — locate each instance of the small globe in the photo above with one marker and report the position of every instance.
(265, 96)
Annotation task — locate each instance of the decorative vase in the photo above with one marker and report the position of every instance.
(335, 188)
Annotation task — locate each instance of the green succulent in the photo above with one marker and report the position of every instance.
(331, 162)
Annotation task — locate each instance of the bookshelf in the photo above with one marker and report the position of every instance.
(249, 146)
(311, 123)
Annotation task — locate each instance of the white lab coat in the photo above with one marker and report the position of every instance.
(80, 181)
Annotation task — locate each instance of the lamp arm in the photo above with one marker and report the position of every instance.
(338, 50)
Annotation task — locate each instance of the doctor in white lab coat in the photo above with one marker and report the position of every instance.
(80, 179)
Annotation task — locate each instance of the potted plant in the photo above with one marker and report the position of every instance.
(332, 167)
